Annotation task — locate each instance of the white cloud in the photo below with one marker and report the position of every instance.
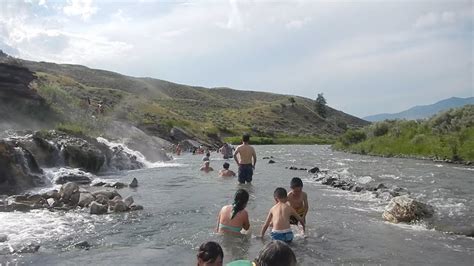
(297, 23)
(83, 8)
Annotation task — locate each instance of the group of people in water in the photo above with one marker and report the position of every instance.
(290, 208)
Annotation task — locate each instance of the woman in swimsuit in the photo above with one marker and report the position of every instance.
(233, 218)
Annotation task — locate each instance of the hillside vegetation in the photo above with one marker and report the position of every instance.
(447, 135)
(155, 106)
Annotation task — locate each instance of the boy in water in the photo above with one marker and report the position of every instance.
(206, 168)
(298, 199)
(226, 172)
(279, 215)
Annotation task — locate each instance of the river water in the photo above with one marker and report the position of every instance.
(181, 206)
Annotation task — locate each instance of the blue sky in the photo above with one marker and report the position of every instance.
(367, 57)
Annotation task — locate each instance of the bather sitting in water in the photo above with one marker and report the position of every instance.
(226, 172)
(206, 168)
(275, 253)
(233, 218)
(210, 254)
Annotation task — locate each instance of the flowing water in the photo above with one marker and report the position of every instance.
(181, 206)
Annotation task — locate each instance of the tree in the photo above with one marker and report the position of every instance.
(292, 101)
(321, 105)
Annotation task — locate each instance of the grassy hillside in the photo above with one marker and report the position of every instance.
(75, 92)
(448, 135)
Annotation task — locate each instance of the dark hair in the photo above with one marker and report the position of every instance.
(280, 193)
(226, 165)
(210, 251)
(296, 182)
(208, 154)
(276, 253)
(246, 137)
(241, 198)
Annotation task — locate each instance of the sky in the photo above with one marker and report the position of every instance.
(366, 57)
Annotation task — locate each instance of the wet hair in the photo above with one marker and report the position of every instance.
(276, 253)
(208, 154)
(280, 193)
(226, 165)
(210, 251)
(241, 198)
(246, 137)
(296, 182)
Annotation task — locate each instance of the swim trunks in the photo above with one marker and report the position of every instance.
(300, 212)
(283, 235)
(245, 173)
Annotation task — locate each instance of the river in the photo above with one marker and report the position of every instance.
(181, 206)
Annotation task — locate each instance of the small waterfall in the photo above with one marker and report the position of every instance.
(138, 155)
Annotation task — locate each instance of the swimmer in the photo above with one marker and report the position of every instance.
(232, 218)
(226, 172)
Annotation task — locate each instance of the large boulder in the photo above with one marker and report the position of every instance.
(405, 209)
(97, 208)
(85, 199)
(18, 169)
(64, 175)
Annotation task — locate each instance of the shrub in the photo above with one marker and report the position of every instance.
(352, 137)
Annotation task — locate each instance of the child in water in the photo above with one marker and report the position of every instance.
(210, 254)
(279, 215)
(298, 199)
(206, 167)
(232, 218)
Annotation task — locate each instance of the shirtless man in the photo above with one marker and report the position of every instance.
(206, 167)
(246, 160)
(225, 172)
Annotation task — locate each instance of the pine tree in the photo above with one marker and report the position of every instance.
(320, 105)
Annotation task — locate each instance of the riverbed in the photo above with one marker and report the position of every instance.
(181, 204)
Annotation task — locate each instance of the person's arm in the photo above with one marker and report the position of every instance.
(298, 217)
(218, 221)
(267, 223)
(246, 224)
(254, 156)
(306, 206)
(235, 156)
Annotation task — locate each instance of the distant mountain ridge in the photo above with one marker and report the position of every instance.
(423, 111)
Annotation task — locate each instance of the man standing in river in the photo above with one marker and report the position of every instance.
(246, 160)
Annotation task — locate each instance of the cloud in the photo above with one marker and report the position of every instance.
(298, 23)
(83, 8)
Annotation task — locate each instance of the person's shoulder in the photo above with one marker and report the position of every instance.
(304, 194)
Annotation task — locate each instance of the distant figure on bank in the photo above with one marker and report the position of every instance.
(298, 199)
(246, 159)
(226, 172)
(207, 157)
(206, 167)
(232, 218)
(226, 151)
(210, 254)
(275, 253)
(178, 149)
(279, 215)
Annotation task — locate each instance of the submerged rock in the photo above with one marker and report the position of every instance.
(83, 244)
(134, 183)
(314, 170)
(405, 209)
(3, 238)
(271, 161)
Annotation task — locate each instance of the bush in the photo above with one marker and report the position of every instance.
(353, 137)
(380, 129)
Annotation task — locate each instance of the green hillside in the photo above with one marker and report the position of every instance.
(74, 92)
(447, 135)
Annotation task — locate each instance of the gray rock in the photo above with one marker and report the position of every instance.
(128, 201)
(51, 194)
(116, 185)
(29, 248)
(85, 199)
(136, 207)
(134, 183)
(405, 209)
(52, 202)
(69, 193)
(100, 198)
(106, 193)
(97, 208)
(83, 244)
(120, 206)
(314, 170)
(3, 238)
(271, 161)
(79, 179)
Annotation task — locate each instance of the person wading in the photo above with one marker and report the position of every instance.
(246, 159)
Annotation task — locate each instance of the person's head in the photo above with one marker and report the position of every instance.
(207, 163)
(208, 154)
(241, 198)
(296, 184)
(226, 165)
(276, 253)
(246, 138)
(210, 254)
(280, 194)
